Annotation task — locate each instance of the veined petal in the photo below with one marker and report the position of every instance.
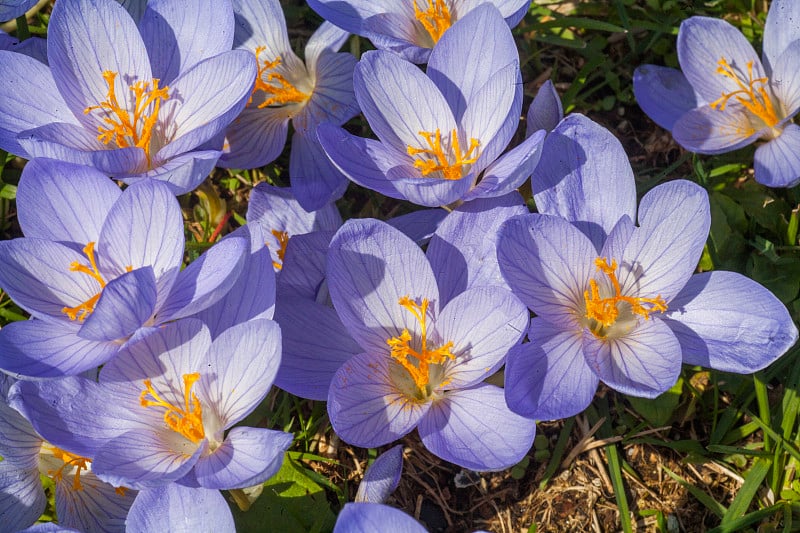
(430, 192)
(143, 228)
(333, 99)
(365, 161)
(248, 456)
(584, 162)
(702, 42)
(23, 496)
(12, 9)
(780, 30)
(125, 304)
(474, 428)
(173, 507)
(399, 101)
(728, 322)
(50, 349)
(483, 323)
(86, 38)
(663, 93)
(178, 38)
(213, 92)
(547, 262)
(777, 162)
(63, 202)
(463, 251)
(511, 170)
(419, 225)
(315, 345)
(786, 84)
(382, 477)
(67, 142)
(316, 182)
(705, 130)
(240, 368)
(261, 24)
(368, 517)
(460, 65)
(371, 266)
(546, 111)
(254, 138)
(19, 112)
(145, 458)
(97, 506)
(182, 174)
(328, 38)
(206, 280)
(365, 407)
(548, 378)
(304, 264)
(645, 362)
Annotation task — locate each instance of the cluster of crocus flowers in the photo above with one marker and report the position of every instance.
(725, 97)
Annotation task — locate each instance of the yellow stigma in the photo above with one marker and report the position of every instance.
(604, 312)
(755, 100)
(69, 460)
(278, 89)
(81, 311)
(438, 160)
(126, 129)
(283, 240)
(435, 19)
(417, 363)
(188, 421)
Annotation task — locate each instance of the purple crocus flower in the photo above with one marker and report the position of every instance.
(423, 363)
(133, 102)
(163, 413)
(82, 500)
(616, 302)
(441, 133)
(286, 89)
(96, 265)
(409, 29)
(727, 98)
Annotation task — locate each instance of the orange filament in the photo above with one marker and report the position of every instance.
(123, 129)
(435, 19)
(281, 94)
(755, 100)
(439, 160)
(187, 421)
(605, 310)
(81, 311)
(80, 463)
(283, 240)
(417, 363)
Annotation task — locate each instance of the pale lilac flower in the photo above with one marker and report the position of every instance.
(423, 364)
(442, 132)
(132, 101)
(408, 28)
(289, 90)
(616, 302)
(726, 97)
(11, 9)
(97, 265)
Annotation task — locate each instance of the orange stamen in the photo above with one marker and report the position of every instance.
(279, 90)
(188, 421)
(755, 100)
(69, 459)
(283, 240)
(417, 363)
(436, 19)
(126, 130)
(605, 311)
(439, 161)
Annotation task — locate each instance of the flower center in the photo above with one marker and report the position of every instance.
(435, 19)
(754, 99)
(603, 313)
(127, 129)
(188, 420)
(283, 240)
(417, 363)
(81, 311)
(67, 460)
(278, 89)
(437, 159)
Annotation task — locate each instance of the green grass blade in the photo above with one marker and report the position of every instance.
(753, 518)
(747, 491)
(711, 504)
(558, 452)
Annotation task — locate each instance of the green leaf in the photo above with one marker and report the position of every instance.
(782, 277)
(290, 501)
(660, 409)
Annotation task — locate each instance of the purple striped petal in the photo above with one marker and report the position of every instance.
(545, 112)
(663, 93)
(96, 507)
(370, 517)
(125, 304)
(777, 162)
(173, 507)
(382, 477)
(316, 182)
